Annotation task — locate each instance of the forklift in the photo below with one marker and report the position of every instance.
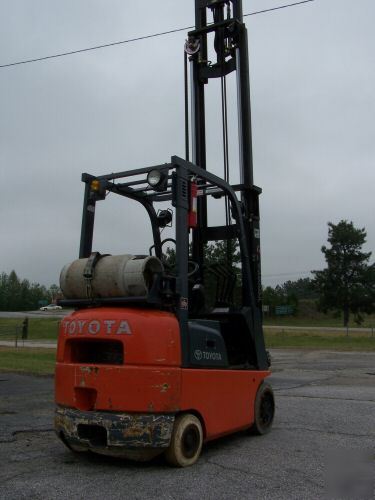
(163, 354)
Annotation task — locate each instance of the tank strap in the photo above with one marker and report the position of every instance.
(88, 272)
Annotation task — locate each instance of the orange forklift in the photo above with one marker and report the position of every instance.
(163, 354)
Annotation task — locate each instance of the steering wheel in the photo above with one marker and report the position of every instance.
(195, 268)
(166, 241)
(191, 263)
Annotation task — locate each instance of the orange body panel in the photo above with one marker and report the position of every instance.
(223, 398)
(150, 378)
(108, 388)
(149, 337)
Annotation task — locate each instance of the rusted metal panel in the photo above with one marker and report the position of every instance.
(137, 388)
(123, 430)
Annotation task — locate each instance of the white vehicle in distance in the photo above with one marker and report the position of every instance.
(50, 307)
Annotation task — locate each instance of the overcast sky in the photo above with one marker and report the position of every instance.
(312, 89)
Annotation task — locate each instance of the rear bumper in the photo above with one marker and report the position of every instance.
(113, 434)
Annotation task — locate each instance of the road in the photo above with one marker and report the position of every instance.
(45, 344)
(35, 314)
(331, 329)
(61, 314)
(325, 404)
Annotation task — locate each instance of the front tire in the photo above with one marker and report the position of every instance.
(264, 410)
(186, 442)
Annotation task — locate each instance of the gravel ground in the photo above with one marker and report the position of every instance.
(322, 436)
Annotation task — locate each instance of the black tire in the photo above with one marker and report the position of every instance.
(264, 410)
(186, 442)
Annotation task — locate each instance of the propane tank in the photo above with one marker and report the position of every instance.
(113, 276)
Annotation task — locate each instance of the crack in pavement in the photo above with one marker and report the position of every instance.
(7, 440)
(237, 469)
(32, 431)
(321, 431)
(326, 397)
(262, 476)
(312, 383)
(15, 476)
(13, 434)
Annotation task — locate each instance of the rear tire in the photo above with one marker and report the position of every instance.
(264, 410)
(186, 442)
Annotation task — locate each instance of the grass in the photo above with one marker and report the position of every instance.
(39, 328)
(25, 360)
(308, 315)
(47, 328)
(42, 361)
(315, 340)
(325, 320)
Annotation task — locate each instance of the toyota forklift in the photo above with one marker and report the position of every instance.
(164, 354)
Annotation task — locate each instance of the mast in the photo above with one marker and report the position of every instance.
(231, 47)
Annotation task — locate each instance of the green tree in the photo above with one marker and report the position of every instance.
(3, 291)
(17, 295)
(302, 288)
(221, 258)
(14, 292)
(53, 292)
(348, 282)
(214, 253)
(223, 252)
(281, 295)
(272, 297)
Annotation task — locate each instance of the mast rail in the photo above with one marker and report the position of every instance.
(228, 23)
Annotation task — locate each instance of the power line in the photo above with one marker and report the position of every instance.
(96, 47)
(298, 273)
(144, 37)
(278, 8)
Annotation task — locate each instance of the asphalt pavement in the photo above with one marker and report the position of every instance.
(325, 423)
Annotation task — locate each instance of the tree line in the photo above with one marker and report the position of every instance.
(289, 293)
(21, 295)
(346, 285)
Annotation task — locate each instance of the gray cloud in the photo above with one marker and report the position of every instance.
(312, 80)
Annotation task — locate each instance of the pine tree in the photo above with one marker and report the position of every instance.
(348, 282)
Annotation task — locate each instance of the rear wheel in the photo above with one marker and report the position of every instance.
(186, 441)
(264, 410)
